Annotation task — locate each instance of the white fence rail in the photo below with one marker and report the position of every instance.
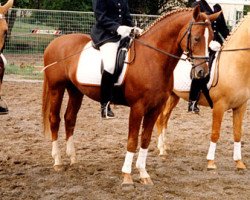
(30, 31)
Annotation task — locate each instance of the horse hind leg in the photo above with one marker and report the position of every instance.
(162, 122)
(56, 97)
(238, 115)
(74, 104)
(3, 104)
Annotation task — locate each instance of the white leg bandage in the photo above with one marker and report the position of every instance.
(141, 163)
(211, 151)
(70, 150)
(127, 166)
(56, 153)
(237, 151)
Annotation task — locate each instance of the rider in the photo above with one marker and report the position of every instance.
(221, 31)
(113, 22)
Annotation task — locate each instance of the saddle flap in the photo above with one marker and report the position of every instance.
(182, 80)
(89, 67)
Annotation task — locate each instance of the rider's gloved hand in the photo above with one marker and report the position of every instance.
(137, 31)
(214, 45)
(124, 31)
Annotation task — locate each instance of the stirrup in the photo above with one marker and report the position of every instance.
(106, 112)
(192, 107)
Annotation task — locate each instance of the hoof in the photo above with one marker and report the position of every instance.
(211, 165)
(74, 166)
(3, 111)
(163, 153)
(59, 168)
(240, 165)
(147, 181)
(127, 180)
(73, 162)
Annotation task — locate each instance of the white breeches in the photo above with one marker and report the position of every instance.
(108, 53)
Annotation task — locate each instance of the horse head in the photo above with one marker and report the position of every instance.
(3, 24)
(194, 40)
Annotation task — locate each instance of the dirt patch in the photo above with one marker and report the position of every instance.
(26, 170)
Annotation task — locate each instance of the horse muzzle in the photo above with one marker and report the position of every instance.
(198, 72)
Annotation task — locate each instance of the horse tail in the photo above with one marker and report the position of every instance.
(46, 109)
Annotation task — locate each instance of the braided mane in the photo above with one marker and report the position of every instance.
(165, 15)
(232, 32)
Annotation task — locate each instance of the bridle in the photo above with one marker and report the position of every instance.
(188, 52)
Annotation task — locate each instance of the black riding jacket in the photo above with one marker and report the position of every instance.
(219, 25)
(109, 14)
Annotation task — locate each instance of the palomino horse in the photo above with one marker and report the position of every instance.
(3, 31)
(230, 90)
(146, 87)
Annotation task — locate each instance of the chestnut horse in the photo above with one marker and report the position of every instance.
(230, 90)
(3, 31)
(146, 87)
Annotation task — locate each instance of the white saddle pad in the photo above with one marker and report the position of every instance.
(89, 67)
(182, 80)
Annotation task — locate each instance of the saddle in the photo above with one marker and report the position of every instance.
(120, 56)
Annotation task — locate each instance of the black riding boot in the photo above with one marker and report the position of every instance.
(194, 96)
(107, 85)
(3, 107)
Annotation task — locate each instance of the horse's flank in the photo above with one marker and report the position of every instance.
(234, 67)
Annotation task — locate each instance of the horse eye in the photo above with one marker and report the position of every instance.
(196, 39)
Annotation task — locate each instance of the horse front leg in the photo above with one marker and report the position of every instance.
(135, 118)
(74, 104)
(218, 112)
(148, 125)
(162, 122)
(238, 115)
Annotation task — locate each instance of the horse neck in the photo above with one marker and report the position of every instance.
(239, 38)
(238, 41)
(235, 64)
(164, 34)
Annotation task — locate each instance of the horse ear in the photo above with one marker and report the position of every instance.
(4, 9)
(196, 12)
(214, 16)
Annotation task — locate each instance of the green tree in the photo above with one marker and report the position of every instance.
(153, 7)
(136, 6)
(72, 5)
